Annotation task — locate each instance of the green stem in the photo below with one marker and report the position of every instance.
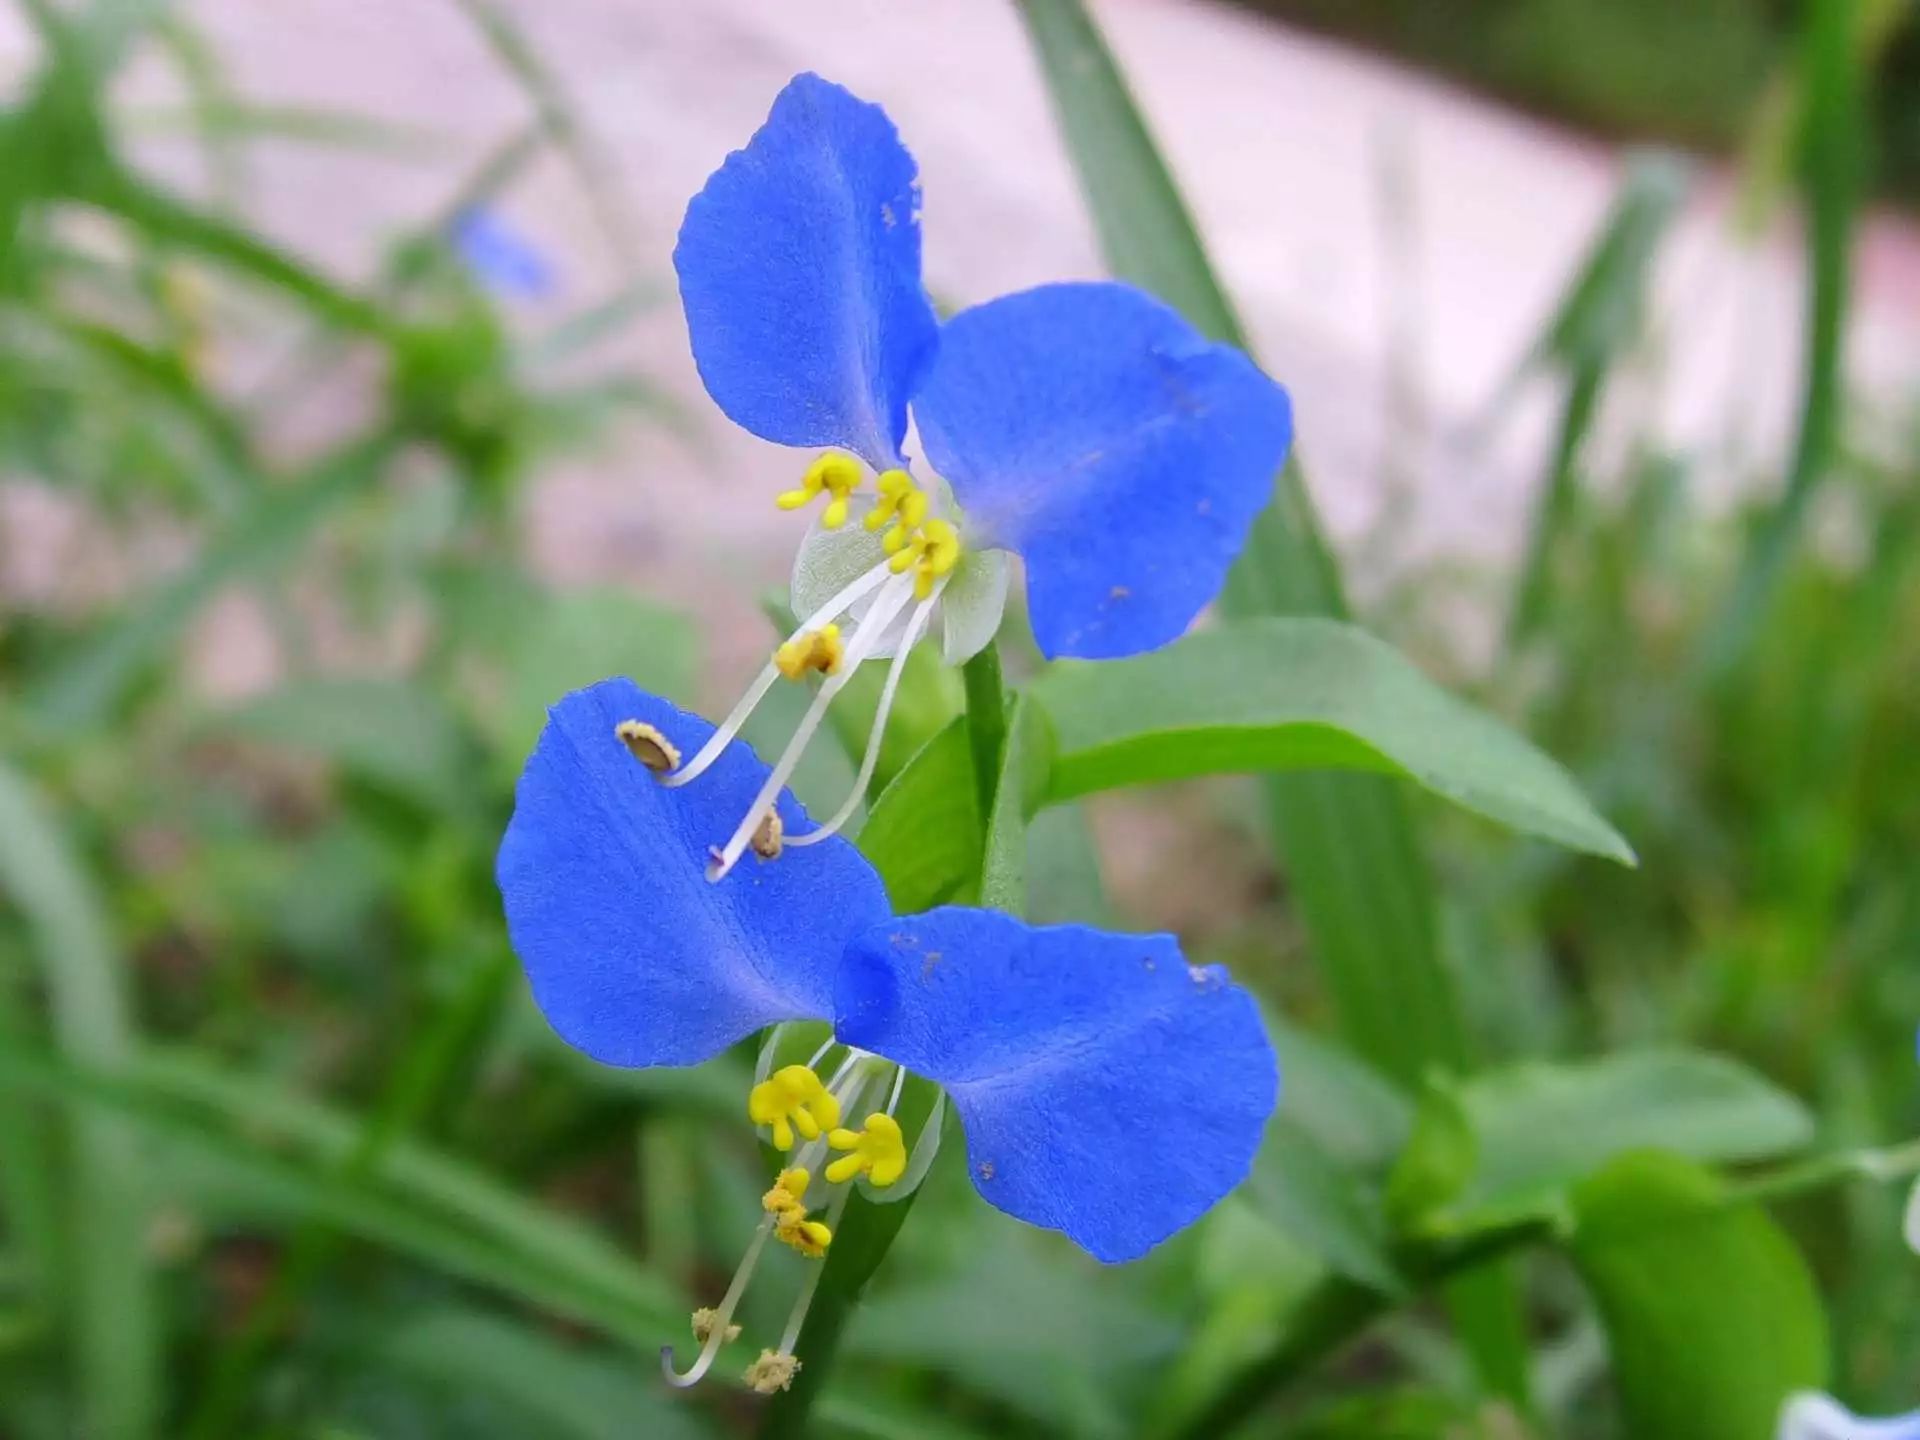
(410, 1093)
(867, 1230)
(986, 723)
(1335, 1312)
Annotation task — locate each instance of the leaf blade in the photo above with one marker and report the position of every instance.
(1282, 694)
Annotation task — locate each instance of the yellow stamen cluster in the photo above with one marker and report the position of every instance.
(879, 1152)
(648, 746)
(931, 552)
(838, 474)
(793, 1098)
(787, 1203)
(901, 503)
(820, 650)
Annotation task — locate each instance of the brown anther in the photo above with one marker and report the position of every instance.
(769, 839)
(704, 1319)
(772, 1372)
(648, 746)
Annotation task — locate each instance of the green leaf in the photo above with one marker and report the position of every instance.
(1712, 1316)
(111, 1302)
(1291, 694)
(1322, 1206)
(392, 733)
(924, 832)
(1064, 884)
(1023, 773)
(1539, 1128)
(1439, 1160)
(236, 1148)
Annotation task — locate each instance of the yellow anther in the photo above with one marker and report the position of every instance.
(809, 1237)
(820, 650)
(901, 502)
(792, 1099)
(835, 472)
(789, 1193)
(932, 552)
(878, 1152)
(649, 746)
(787, 1203)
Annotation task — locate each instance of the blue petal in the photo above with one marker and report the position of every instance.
(800, 273)
(633, 956)
(1109, 1090)
(1094, 431)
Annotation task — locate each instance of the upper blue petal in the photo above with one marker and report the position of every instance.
(799, 269)
(1093, 430)
(633, 956)
(1109, 1090)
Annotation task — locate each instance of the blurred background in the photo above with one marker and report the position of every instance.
(347, 419)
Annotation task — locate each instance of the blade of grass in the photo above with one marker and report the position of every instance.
(246, 1151)
(29, 1168)
(1595, 325)
(111, 1306)
(415, 1081)
(558, 120)
(1833, 166)
(1358, 877)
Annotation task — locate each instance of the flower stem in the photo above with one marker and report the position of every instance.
(986, 723)
(1337, 1310)
(866, 1231)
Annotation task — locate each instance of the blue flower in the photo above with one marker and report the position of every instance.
(1811, 1416)
(503, 258)
(1085, 427)
(1108, 1090)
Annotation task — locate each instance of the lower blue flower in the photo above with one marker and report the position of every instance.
(1108, 1089)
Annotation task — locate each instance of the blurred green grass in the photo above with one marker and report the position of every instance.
(284, 1149)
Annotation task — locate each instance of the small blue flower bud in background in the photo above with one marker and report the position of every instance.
(500, 257)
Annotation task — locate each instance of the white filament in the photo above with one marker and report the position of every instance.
(717, 1336)
(798, 1316)
(886, 606)
(916, 627)
(756, 692)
